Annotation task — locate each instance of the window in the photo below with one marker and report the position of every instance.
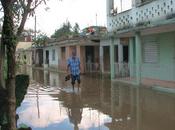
(151, 52)
(53, 54)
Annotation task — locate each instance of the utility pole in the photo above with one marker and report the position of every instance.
(121, 5)
(34, 55)
(96, 18)
(35, 22)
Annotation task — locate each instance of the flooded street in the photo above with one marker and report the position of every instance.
(50, 104)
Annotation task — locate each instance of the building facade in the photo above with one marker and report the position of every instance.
(142, 39)
(57, 52)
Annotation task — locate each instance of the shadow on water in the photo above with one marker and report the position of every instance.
(50, 103)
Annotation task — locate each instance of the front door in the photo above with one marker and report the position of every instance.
(47, 57)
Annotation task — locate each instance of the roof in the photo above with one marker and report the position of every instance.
(82, 41)
(24, 45)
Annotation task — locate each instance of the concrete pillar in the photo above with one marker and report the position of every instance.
(109, 6)
(138, 57)
(120, 57)
(101, 59)
(81, 54)
(44, 57)
(67, 52)
(59, 55)
(131, 57)
(112, 58)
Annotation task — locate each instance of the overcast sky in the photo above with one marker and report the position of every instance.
(81, 11)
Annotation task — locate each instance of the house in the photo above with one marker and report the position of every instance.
(37, 56)
(24, 53)
(51, 55)
(142, 43)
(56, 53)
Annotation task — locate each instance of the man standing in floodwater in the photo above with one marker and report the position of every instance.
(73, 68)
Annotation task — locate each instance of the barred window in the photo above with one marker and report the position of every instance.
(151, 52)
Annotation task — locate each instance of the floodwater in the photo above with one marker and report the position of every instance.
(51, 104)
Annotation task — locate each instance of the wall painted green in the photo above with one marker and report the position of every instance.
(165, 68)
(112, 58)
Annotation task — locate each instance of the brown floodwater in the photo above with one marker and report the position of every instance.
(51, 104)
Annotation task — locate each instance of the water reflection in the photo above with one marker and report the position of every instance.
(51, 104)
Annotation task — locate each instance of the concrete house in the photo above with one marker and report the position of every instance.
(142, 41)
(57, 52)
(24, 53)
(51, 56)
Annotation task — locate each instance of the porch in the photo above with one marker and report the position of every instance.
(151, 60)
(143, 14)
(88, 54)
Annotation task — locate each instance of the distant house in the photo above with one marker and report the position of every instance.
(142, 44)
(57, 52)
(24, 53)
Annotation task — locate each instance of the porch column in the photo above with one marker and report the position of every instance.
(109, 6)
(138, 57)
(112, 58)
(59, 55)
(68, 53)
(120, 57)
(131, 56)
(80, 54)
(101, 59)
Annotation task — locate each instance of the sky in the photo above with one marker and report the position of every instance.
(81, 11)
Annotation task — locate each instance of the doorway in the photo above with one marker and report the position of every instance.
(47, 57)
(125, 54)
(106, 56)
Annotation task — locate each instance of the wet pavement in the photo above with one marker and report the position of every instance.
(51, 104)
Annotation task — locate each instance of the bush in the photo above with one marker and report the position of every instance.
(22, 82)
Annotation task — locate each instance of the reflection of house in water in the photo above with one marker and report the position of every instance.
(141, 109)
(54, 79)
(38, 75)
(73, 103)
(127, 107)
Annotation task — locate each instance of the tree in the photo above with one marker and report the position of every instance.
(76, 29)
(40, 40)
(66, 30)
(15, 16)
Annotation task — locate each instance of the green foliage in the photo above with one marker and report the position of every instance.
(41, 40)
(22, 82)
(66, 30)
(76, 28)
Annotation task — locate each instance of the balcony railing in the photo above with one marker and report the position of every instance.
(125, 71)
(92, 67)
(142, 15)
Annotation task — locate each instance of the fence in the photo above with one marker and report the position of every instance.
(125, 71)
(92, 67)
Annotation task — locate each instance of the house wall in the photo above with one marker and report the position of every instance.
(24, 57)
(164, 69)
(29, 57)
(52, 62)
